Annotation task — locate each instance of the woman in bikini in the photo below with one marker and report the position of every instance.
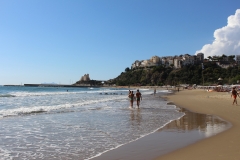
(131, 96)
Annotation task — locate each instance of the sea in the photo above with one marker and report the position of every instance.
(57, 123)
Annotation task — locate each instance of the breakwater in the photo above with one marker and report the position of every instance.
(59, 85)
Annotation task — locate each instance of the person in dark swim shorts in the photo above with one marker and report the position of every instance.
(139, 97)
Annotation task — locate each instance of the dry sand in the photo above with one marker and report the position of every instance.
(223, 146)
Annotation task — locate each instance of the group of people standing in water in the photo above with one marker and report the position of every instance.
(132, 97)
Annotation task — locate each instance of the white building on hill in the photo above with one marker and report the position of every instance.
(170, 61)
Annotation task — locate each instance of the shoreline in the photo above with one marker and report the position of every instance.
(170, 137)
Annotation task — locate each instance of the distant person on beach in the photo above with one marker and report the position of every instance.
(154, 91)
(139, 96)
(234, 95)
(131, 96)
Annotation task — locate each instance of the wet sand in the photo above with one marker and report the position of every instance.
(178, 134)
(225, 145)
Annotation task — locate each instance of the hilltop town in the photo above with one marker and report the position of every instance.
(186, 59)
(182, 69)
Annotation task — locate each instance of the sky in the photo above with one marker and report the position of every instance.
(58, 41)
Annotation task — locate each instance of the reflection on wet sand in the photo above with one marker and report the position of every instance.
(207, 124)
(135, 117)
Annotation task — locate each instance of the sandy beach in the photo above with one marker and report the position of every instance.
(222, 146)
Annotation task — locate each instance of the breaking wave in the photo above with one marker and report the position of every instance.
(41, 109)
(7, 95)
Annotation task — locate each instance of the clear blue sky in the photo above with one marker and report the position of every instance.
(61, 40)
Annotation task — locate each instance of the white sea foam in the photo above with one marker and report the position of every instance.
(39, 109)
(5, 154)
(27, 93)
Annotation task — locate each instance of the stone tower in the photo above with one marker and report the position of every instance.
(85, 77)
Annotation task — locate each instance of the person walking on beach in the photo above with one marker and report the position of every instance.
(234, 95)
(131, 96)
(139, 96)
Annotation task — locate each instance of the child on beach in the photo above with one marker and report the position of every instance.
(234, 95)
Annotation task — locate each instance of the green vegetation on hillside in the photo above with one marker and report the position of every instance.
(190, 74)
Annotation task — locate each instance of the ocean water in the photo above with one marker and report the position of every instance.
(75, 123)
